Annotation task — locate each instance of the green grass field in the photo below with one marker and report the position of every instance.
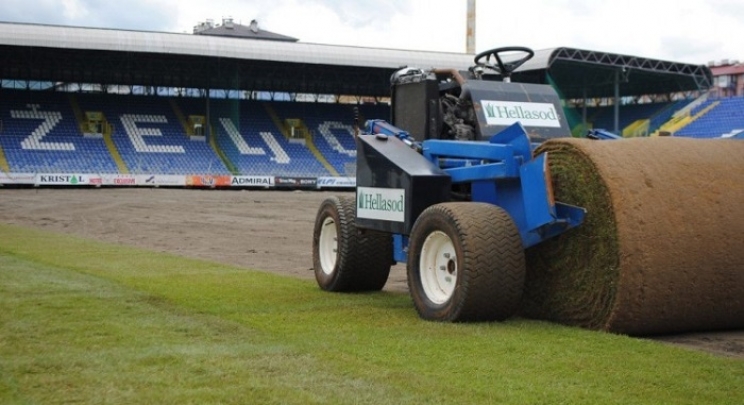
(90, 323)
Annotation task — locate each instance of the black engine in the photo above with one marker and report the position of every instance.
(472, 105)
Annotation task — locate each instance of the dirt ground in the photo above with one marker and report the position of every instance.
(266, 230)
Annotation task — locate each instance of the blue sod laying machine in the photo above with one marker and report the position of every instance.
(452, 189)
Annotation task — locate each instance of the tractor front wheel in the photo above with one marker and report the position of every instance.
(346, 259)
(465, 263)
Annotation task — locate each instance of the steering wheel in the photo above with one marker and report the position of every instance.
(504, 68)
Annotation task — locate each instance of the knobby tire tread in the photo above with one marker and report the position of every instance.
(491, 262)
(364, 257)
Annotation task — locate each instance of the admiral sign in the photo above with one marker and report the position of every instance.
(504, 113)
(252, 181)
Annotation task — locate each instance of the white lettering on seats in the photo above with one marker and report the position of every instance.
(137, 134)
(280, 156)
(325, 130)
(51, 119)
(238, 140)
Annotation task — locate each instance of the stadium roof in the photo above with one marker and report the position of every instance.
(579, 73)
(107, 56)
(96, 55)
(147, 42)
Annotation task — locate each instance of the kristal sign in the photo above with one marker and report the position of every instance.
(67, 179)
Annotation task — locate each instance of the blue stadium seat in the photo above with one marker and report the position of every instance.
(726, 119)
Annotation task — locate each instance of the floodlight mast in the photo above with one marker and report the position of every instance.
(470, 30)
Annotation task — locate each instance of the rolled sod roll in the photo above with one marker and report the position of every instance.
(661, 249)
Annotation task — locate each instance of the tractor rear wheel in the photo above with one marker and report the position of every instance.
(346, 259)
(465, 263)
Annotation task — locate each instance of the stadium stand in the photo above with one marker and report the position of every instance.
(149, 137)
(56, 131)
(329, 127)
(603, 117)
(252, 142)
(258, 137)
(40, 134)
(725, 119)
(665, 114)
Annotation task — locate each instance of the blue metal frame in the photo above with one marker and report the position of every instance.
(400, 248)
(502, 172)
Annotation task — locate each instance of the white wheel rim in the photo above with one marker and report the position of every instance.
(328, 245)
(438, 267)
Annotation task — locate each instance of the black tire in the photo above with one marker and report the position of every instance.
(361, 260)
(484, 281)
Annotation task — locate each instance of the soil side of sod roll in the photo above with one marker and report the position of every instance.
(661, 249)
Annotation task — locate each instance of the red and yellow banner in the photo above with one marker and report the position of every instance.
(208, 181)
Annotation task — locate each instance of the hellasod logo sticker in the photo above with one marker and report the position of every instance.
(503, 113)
(387, 204)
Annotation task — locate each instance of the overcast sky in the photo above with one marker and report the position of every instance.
(692, 31)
